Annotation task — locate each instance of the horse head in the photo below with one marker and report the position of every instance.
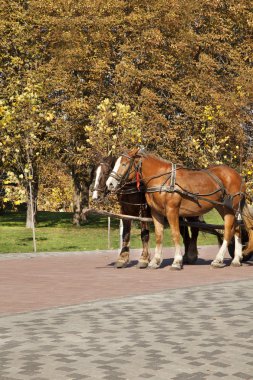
(126, 168)
(102, 173)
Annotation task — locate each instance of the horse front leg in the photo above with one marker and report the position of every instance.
(159, 227)
(145, 256)
(173, 219)
(190, 243)
(229, 229)
(123, 258)
(184, 232)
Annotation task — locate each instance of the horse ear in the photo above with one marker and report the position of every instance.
(98, 158)
(141, 150)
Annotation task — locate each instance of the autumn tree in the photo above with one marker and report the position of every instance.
(179, 72)
(23, 117)
(178, 59)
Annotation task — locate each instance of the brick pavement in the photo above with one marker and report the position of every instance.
(182, 334)
(33, 282)
(135, 324)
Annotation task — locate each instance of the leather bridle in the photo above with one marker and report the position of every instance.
(122, 179)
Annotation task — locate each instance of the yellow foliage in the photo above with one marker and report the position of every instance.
(114, 128)
(14, 194)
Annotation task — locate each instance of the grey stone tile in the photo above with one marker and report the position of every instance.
(204, 333)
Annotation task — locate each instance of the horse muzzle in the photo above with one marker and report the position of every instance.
(96, 195)
(112, 184)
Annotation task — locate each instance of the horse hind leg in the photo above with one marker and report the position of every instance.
(123, 258)
(236, 262)
(145, 256)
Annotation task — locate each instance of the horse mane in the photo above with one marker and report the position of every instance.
(146, 154)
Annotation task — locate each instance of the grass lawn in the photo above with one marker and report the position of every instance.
(56, 233)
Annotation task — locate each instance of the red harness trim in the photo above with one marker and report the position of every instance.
(138, 180)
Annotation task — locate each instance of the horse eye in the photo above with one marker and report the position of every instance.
(123, 165)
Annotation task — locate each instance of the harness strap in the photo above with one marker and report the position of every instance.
(160, 189)
(115, 175)
(134, 204)
(131, 190)
(173, 177)
(217, 180)
(196, 197)
(227, 199)
(164, 187)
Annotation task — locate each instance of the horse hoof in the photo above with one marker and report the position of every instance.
(153, 266)
(217, 264)
(236, 264)
(176, 267)
(189, 261)
(120, 264)
(142, 265)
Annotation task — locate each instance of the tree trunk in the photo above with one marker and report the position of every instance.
(30, 209)
(1, 207)
(77, 202)
(84, 202)
(81, 197)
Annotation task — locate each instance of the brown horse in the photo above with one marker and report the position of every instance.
(175, 191)
(132, 202)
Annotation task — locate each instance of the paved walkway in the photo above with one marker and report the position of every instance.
(123, 324)
(34, 282)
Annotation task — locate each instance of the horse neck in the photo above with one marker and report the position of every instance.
(152, 166)
(110, 161)
(113, 162)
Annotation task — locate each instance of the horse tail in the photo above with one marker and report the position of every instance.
(247, 217)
